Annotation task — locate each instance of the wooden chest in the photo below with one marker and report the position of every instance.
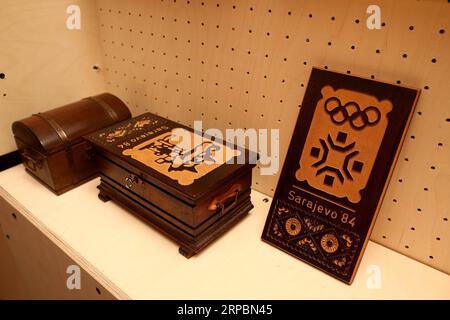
(187, 186)
(51, 144)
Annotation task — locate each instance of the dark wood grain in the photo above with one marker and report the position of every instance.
(51, 144)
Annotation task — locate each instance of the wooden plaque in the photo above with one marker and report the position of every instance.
(344, 147)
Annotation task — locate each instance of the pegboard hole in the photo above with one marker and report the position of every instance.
(411, 28)
(8, 237)
(425, 189)
(404, 56)
(357, 21)
(433, 60)
(407, 247)
(431, 257)
(433, 168)
(389, 219)
(442, 31)
(438, 239)
(377, 51)
(98, 291)
(2, 75)
(14, 216)
(413, 229)
(419, 209)
(445, 219)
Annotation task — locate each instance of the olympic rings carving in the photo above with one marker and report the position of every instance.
(352, 112)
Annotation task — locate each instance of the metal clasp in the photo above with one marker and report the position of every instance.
(31, 163)
(130, 181)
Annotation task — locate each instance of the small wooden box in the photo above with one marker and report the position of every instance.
(51, 144)
(192, 193)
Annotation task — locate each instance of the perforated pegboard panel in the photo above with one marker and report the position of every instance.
(245, 64)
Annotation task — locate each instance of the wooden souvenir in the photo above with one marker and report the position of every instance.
(51, 144)
(342, 153)
(189, 187)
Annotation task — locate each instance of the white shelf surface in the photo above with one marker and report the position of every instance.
(146, 265)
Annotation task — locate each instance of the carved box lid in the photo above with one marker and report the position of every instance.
(172, 156)
(58, 128)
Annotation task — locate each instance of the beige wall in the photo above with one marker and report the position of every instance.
(46, 65)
